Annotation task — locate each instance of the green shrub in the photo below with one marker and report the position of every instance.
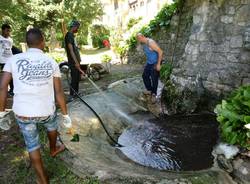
(165, 72)
(233, 114)
(122, 50)
(98, 34)
(118, 45)
(132, 22)
(106, 58)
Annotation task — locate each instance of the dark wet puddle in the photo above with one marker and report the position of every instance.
(178, 143)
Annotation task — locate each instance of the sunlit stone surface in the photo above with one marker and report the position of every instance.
(122, 109)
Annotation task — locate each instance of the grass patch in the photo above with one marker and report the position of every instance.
(15, 163)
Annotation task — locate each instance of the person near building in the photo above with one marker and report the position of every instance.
(6, 43)
(152, 68)
(73, 56)
(37, 84)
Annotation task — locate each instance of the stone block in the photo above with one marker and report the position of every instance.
(245, 57)
(226, 19)
(234, 58)
(174, 20)
(243, 13)
(230, 10)
(246, 38)
(241, 23)
(242, 170)
(236, 42)
(226, 76)
(219, 57)
(192, 49)
(209, 56)
(197, 19)
(195, 29)
(201, 36)
(224, 47)
(214, 76)
(235, 50)
(205, 47)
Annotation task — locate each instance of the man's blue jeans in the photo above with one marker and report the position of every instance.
(150, 78)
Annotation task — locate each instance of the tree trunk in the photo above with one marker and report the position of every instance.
(63, 27)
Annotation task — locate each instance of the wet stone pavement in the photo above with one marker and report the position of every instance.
(123, 109)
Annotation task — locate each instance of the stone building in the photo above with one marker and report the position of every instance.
(117, 13)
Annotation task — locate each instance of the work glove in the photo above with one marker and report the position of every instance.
(5, 120)
(67, 121)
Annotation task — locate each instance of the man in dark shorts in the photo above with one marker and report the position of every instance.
(73, 55)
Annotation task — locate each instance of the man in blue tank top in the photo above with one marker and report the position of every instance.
(152, 68)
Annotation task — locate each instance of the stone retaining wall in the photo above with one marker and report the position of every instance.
(209, 41)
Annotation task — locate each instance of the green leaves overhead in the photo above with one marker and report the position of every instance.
(233, 114)
(48, 14)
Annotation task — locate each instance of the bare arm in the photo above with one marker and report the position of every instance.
(60, 95)
(156, 48)
(77, 65)
(5, 80)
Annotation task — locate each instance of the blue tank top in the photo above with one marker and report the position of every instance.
(152, 56)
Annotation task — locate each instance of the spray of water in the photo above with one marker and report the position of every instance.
(116, 109)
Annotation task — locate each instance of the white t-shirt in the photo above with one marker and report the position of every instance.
(32, 74)
(5, 49)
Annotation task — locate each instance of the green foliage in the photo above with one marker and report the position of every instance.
(161, 21)
(233, 114)
(118, 45)
(122, 50)
(165, 72)
(98, 34)
(131, 42)
(132, 22)
(106, 58)
(46, 14)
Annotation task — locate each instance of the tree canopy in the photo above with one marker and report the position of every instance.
(51, 16)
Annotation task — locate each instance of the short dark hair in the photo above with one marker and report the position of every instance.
(5, 26)
(34, 37)
(74, 23)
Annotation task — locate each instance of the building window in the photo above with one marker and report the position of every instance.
(141, 3)
(134, 7)
(116, 4)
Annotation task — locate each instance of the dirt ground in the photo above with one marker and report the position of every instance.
(14, 162)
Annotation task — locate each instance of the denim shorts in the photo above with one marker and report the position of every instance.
(30, 131)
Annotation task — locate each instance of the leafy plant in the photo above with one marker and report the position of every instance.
(165, 72)
(98, 34)
(46, 14)
(132, 22)
(233, 114)
(106, 58)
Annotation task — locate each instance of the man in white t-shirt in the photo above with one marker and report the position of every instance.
(6, 44)
(37, 84)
